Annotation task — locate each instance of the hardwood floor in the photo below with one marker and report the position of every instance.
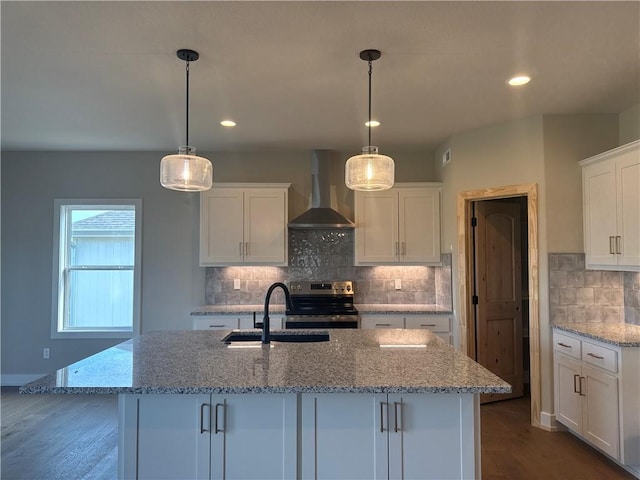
(513, 449)
(74, 437)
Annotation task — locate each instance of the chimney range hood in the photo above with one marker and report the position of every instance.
(321, 215)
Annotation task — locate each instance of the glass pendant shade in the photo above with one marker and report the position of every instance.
(369, 171)
(186, 171)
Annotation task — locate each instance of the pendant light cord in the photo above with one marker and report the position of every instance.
(370, 70)
(187, 113)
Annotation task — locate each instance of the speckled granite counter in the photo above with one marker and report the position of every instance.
(199, 362)
(390, 308)
(621, 334)
(237, 309)
(400, 308)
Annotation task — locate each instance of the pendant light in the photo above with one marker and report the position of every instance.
(369, 171)
(186, 172)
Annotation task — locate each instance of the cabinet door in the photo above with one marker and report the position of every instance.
(344, 436)
(628, 201)
(600, 410)
(568, 401)
(253, 437)
(431, 436)
(376, 234)
(221, 226)
(599, 186)
(164, 436)
(419, 225)
(265, 226)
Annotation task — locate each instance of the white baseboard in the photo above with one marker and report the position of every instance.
(548, 422)
(11, 380)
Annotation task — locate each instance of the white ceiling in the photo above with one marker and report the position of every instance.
(104, 75)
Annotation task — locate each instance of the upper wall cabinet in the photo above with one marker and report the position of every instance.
(244, 224)
(611, 198)
(399, 226)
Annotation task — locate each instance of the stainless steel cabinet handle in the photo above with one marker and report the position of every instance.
(216, 326)
(216, 429)
(404, 249)
(397, 249)
(202, 407)
(575, 385)
(246, 249)
(595, 356)
(427, 324)
(395, 415)
(383, 324)
(240, 248)
(618, 248)
(611, 247)
(564, 345)
(582, 394)
(382, 404)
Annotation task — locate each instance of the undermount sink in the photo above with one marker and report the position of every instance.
(292, 337)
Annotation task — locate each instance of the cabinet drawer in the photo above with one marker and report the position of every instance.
(567, 345)
(600, 356)
(382, 321)
(209, 322)
(434, 323)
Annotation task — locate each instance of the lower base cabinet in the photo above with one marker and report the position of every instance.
(299, 436)
(388, 436)
(208, 437)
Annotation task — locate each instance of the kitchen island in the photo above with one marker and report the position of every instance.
(366, 404)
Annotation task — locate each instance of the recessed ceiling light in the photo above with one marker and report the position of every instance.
(228, 123)
(372, 123)
(519, 80)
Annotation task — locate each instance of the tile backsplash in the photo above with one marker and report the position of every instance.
(327, 254)
(599, 296)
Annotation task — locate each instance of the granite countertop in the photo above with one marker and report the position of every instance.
(390, 308)
(621, 334)
(199, 362)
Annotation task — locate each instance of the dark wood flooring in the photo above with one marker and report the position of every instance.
(74, 437)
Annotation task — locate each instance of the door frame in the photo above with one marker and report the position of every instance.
(465, 277)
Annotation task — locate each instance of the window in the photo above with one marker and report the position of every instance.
(96, 268)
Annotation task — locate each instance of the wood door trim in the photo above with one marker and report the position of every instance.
(465, 249)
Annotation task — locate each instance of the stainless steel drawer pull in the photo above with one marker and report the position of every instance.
(618, 249)
(383, 324)
(202, 407)
(595, 356)
(564, 345)
(427, 324)
(576, 386)
(580, 392)
(612, 250)
(382, 404)
(216, 326)
(240, 248)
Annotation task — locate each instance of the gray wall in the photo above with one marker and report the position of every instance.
(630, 124)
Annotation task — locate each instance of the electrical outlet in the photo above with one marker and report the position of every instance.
(398, 284)
(236, 284)
(45, 353)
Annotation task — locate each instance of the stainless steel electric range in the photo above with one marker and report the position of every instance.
(327, 304)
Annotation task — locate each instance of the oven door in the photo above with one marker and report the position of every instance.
(322, 321)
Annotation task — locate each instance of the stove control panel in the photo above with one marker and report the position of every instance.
(321, 288)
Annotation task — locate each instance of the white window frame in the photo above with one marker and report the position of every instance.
(58, 290)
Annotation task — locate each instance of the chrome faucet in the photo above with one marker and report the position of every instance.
(266, 335)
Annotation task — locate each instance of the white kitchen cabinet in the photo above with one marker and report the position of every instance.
(233, 322)
(244, 224)
(398, 226)
(276, 322)
(209, 436)
(611, 209)
(438, 324)
(597, 394)
(395, 436)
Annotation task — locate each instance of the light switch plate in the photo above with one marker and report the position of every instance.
(398, 283)
(236, 284)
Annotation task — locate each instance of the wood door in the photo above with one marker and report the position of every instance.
(499, 291)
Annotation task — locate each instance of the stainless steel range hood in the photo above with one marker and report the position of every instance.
(321, 215)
